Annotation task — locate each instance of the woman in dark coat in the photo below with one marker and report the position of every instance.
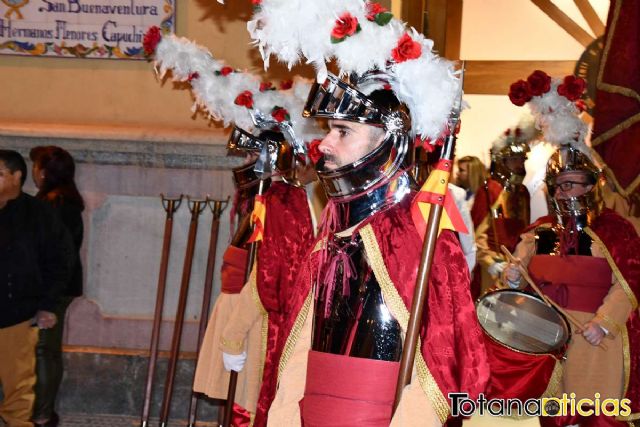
(53, 173)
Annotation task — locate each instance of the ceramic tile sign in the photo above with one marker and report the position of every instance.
(109, 29)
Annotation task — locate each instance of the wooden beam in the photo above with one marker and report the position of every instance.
(590, 16)
(566, 23)
(495, 77)
(435, 26)
(410, 11)
(453, 34)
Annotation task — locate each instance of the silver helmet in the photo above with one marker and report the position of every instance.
(281, 153)
(341, 100)
(512, 144)
(570, 159)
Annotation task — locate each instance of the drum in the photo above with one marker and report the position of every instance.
(525, 340)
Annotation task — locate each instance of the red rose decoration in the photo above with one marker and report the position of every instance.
(265, 86)
(313, 151)
(378, 14)
(256, 2)
(539, 83)
(520, 93)
(193, 76)
(572, 88)
(151, 39)
(280, 114)
(245, 99)
(406, 49)
(286, 84)
(225, 71)
(346, 25)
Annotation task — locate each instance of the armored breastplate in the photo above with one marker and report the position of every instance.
(357, 322)
(549, 241)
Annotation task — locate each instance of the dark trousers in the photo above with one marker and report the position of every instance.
(49, 366)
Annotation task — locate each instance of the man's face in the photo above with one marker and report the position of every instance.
(462, 178)
(9, 182)
(347, 142)
(515, 164)
(572, 184)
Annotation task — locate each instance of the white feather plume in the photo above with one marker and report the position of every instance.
(216, 94)
(558, 119)
(295, 29)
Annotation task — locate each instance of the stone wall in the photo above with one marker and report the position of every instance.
(121, 177)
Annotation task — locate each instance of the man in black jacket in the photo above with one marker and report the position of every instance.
(36, 259)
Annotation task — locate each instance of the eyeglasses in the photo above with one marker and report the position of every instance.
(568, 185)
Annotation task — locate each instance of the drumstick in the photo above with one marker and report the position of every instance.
(525, 274)
(546, 299)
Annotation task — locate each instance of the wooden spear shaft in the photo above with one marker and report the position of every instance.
(217, 206)
(170, 206)
(196, 207)
(233, 375)
(421, 290)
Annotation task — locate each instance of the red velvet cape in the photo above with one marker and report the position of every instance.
(480, 208)
(287, 236)
(452, 343)
(623, 243)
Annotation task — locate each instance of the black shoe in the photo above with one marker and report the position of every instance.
(52, 422)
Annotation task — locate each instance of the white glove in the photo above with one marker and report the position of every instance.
(234, 362)
(496, 268)
(512, 276)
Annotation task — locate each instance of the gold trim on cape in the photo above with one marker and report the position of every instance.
(292, 339)
(626, 353)
(264, 326)
(620, 90)
(394, 301)
(616, 271)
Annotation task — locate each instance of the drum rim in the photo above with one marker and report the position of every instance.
(559, 354)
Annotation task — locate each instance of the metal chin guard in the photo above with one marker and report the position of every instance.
(280, 155)
(245, 177)
(570, 159)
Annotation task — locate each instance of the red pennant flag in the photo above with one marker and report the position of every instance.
(257, 219)
(436, 192)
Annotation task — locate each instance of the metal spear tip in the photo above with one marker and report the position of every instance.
(263, 167)
(454, 116)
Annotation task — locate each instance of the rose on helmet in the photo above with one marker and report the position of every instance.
(378, 14)
(520, 93)
(313, 151)
(265, 86)
(151, 39)
(406, 49)
(280, 114)
(286, 84)
(192, 76)
(345, 26)
(572, 87)
(539, 83)
(225, 71)
(373, 9)
(245, 99)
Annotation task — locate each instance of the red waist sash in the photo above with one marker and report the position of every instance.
(348, 391)
(576, 282)
(234, 265)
